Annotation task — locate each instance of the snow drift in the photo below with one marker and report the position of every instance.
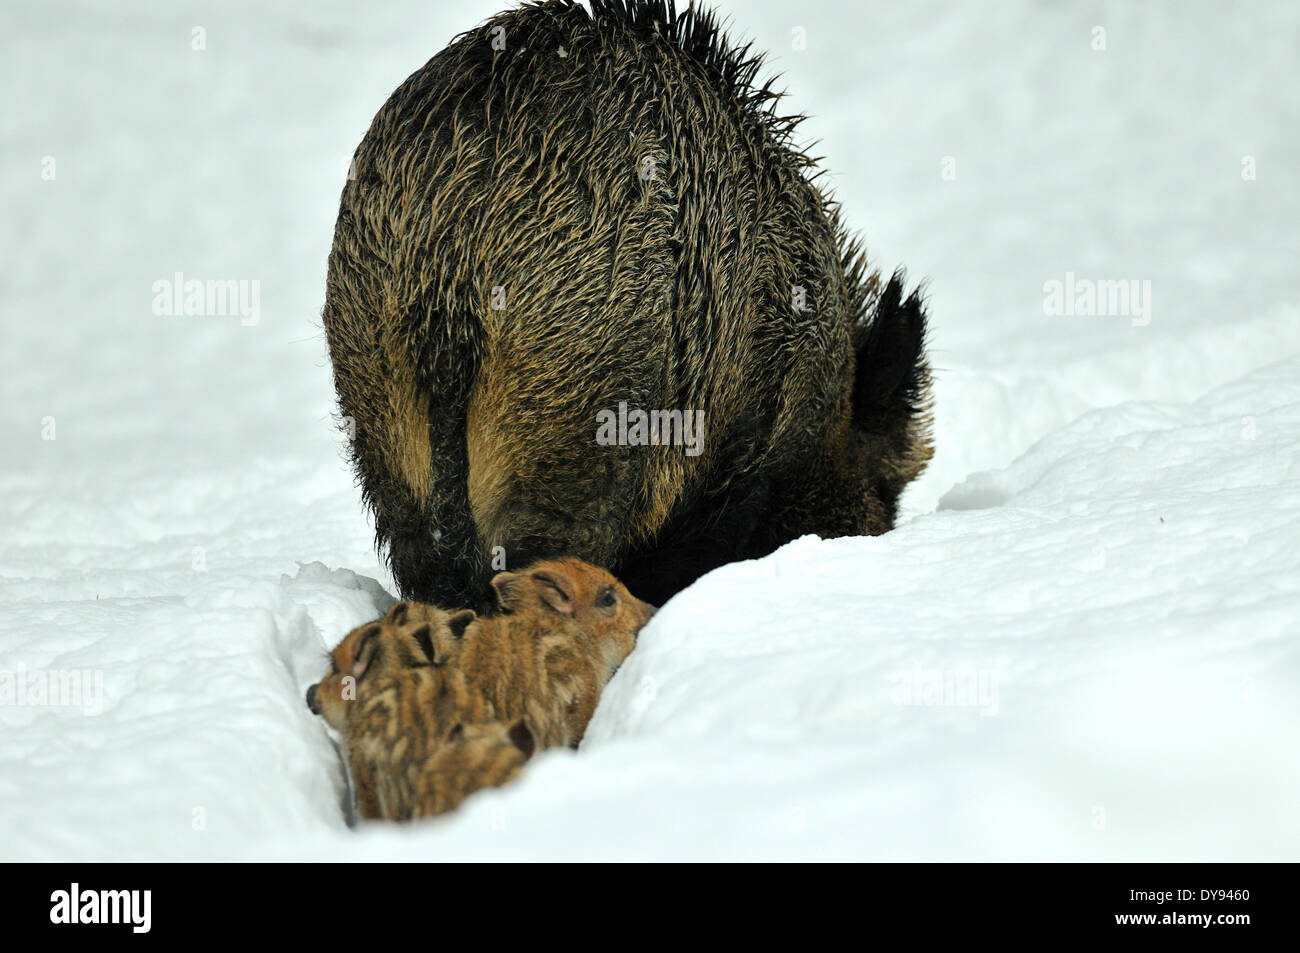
(1080, 643)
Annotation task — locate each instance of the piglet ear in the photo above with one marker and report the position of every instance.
(555, 588)
(364, 654)
(397, 614)
(458, 622)
(522, 739)
(506, 585)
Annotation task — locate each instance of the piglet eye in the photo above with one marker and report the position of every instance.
(606, 599)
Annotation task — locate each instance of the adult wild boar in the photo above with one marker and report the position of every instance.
(567, 220)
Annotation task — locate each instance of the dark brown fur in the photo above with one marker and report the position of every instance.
(523, 168)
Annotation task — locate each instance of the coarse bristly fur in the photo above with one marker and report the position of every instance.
(566, 210)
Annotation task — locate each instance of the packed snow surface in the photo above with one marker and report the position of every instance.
(1079, 643)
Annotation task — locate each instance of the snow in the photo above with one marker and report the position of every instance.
(1080, 642)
